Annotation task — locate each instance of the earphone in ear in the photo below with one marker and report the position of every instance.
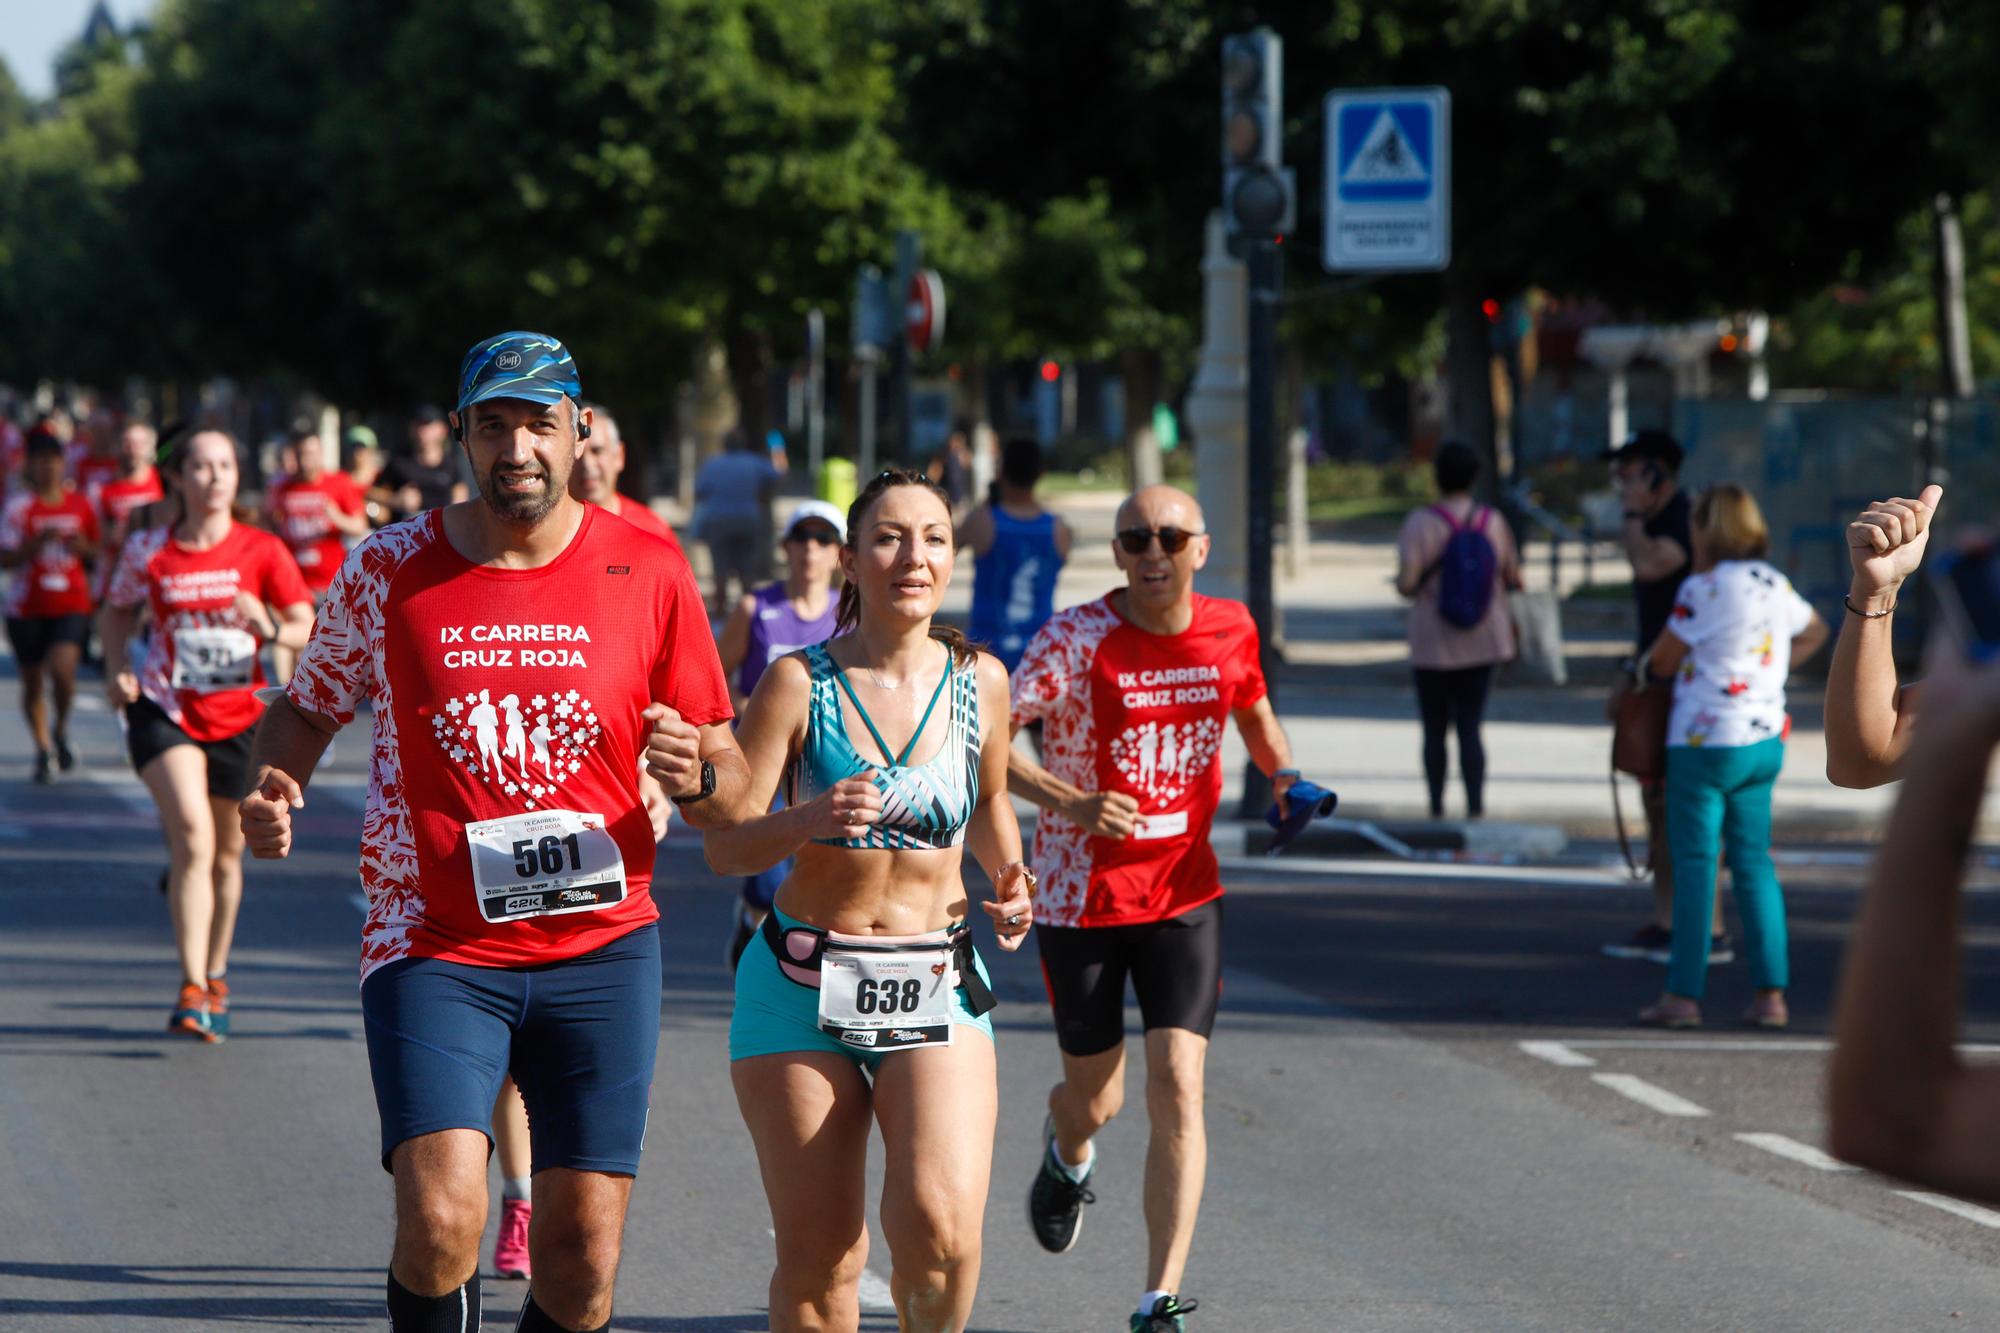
(582, 429)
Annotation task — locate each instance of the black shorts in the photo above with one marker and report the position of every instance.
(149, 733)
(1176, 970)
(32, 637)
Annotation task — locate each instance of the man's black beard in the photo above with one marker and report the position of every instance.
(517, 508)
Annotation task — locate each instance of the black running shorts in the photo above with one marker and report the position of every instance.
(1175, 966)
(32, 637)
(149, 733)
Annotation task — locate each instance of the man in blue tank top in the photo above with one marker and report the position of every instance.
(1018, 549)
(768, 622)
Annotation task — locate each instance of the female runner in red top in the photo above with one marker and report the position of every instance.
(48, 536)
(218, 591)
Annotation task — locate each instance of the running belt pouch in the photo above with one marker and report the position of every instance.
(1639, 709)
(977, 994)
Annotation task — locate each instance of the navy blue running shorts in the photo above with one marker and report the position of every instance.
(579, 1037)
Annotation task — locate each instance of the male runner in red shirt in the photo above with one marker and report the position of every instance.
(136, 485)
(596, 478)
(520, 650)
(1134, 691)
(315, 511)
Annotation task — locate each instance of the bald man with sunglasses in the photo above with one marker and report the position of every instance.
(1134, 691)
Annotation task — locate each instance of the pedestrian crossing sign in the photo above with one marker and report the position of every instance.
(1388, 180)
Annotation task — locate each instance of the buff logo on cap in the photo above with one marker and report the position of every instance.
(533, 367)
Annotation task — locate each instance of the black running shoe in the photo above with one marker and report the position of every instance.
(1165, 1316)
(65, 757)
(1650, 943)
(44, 773)
(1055, 1202)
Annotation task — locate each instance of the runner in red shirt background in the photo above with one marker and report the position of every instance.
(597, 473)
(48, 536)
(217, 591)
(315, 510)
(1134, 691)
(118, 498)
(520, 650)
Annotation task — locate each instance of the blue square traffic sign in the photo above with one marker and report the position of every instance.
(1388, 180)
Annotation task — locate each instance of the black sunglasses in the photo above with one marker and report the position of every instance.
(814, 532)
(1172, 540)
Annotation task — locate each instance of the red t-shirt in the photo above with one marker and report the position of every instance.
(116, 498)
(299, 512)
(55, 582)
(93, 470)
(204, 662)
(642, 517)
(507, 723)
(1125, 710)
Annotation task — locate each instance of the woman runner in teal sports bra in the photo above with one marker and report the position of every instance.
(861, 1000)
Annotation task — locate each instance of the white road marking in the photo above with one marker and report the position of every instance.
(1649, 1095)
(1376, 867)
(1556, 1053)
(1803, 1153)
(1775, 1045)
(873, 1291)
(1971, 1212)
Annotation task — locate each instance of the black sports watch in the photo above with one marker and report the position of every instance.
(707, 786)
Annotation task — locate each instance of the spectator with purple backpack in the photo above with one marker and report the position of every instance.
(1454, 559)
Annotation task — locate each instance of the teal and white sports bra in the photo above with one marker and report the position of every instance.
(925, 805)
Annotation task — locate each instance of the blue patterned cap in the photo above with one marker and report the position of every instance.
(533, 366)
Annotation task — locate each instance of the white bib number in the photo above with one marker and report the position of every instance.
(208, 658)
(545, 863)
(882, 1000)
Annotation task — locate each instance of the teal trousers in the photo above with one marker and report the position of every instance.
(1721, 798)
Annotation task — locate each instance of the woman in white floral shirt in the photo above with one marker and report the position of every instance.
(1736, 629)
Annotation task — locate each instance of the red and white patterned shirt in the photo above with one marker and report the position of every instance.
(1125, 710)
(205, 665)
(507, 710)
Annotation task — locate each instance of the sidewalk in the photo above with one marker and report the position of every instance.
(1347, 703)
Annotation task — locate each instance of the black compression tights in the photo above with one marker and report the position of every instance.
(1445, 698)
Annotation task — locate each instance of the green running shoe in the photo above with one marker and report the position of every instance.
(1166, 1316)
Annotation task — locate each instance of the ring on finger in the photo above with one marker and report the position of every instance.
(1014, 919)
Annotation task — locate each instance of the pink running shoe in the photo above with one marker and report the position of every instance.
(510, 1251)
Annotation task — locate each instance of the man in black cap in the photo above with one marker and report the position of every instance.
(1657, 540)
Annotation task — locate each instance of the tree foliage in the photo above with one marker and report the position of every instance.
(349, 193)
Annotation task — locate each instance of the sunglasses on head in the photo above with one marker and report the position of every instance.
(814, 532)
(1172, 540)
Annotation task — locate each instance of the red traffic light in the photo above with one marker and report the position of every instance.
(1491, 309)
(1051, 372)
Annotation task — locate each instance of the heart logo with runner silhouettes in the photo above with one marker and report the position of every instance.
(1164, 761)
(523, 749)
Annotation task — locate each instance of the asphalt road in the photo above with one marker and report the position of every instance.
(1427, 1111)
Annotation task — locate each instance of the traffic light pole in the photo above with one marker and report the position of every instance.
(1266, 272)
